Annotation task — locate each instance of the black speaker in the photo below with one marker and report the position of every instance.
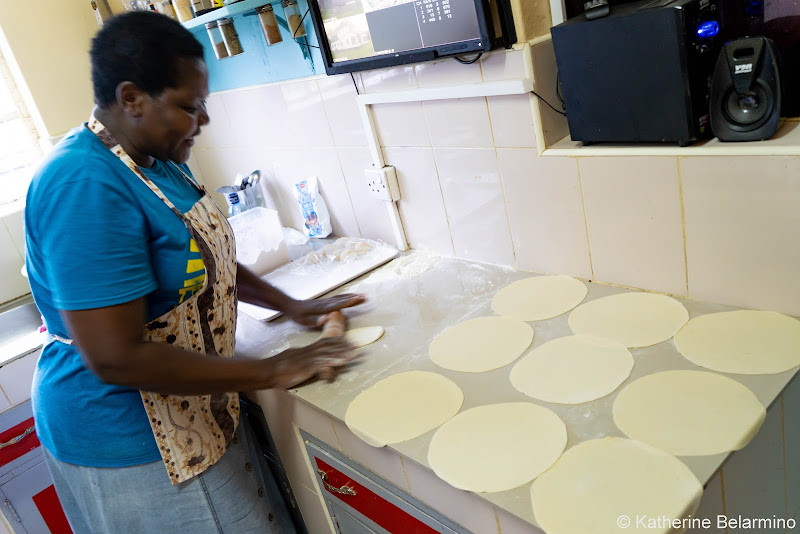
(746, 91)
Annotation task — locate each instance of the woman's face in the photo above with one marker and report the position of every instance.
(172, 119)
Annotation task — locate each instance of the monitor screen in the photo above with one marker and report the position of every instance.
(363, 34)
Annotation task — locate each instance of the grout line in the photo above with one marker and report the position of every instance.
(585, 219)
(405, 474)
(444, 203)
(347, 188)
(505, 207)
(336, 435)
(683, 224)
(497, 520)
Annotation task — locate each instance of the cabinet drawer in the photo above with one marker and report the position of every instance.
(359, 501)
(18, 441)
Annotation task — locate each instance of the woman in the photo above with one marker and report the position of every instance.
(133, 268)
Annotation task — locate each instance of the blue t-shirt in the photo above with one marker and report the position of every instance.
(96, 236)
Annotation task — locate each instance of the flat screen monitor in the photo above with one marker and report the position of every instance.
(367, 34)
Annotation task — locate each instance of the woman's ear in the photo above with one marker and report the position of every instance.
(131, 98)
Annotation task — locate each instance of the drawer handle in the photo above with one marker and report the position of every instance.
(344, 490)
(17, 439)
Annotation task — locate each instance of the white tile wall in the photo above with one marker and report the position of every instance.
(218, 132)
(741, 230)
(11, 261)
(324, 164)
(447, 72)
(308, 123)
(16, 378)
(791, 443)
(391, 79)
(512, 121)
(545, 73)
(465, 508)
(633, 216)
(256, 118)
(339, 96)
(401, 124)
(15, 224)
(503, 65)
(421, 206)
(545, 209)
(753, 477)
(473, 198)
(371, 214)
(460, 122)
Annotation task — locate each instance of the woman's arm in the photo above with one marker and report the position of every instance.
(111, 343)
(253, 290)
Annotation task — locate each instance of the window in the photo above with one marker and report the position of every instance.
(19, 147)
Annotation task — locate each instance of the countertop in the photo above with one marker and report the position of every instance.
(415, 309)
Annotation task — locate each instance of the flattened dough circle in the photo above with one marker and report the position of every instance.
(689, 413)
(597, 481)
(482, 344)
(497, 447)
(633, 319)
(573, 369)
(402, 407)
(745, 342)
(539, 297)
(359, 337)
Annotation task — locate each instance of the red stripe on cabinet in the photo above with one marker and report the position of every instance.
(49, 506)
(24, 446)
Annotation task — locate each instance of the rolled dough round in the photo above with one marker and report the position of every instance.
(594, 484)
(572, 370)
(482, 344)
(402, 407)
(633, 319)
(745, 342)
(358, 337)
(689, 413)
(539, 297)
(497, 447)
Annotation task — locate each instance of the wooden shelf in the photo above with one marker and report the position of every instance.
(784, 143)
(228, 11)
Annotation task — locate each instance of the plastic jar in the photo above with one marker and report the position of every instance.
(215, 35)
(183, 10)
(266, 16)
(293, 18)
(230, 37)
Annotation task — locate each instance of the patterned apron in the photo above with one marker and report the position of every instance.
(193, 432)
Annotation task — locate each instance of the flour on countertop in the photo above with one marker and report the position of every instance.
(408, 266)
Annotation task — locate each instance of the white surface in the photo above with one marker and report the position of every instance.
(497, 447)
(481, 344)
(689, 413)
(633, 319)
(743, 342)
(402, 407)
(303, 282)
(506, 87)
(539, 297)
(573, 369)
(597, 485)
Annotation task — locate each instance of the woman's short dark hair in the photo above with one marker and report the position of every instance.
(140, 47)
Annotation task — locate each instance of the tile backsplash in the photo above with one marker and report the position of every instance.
(714, 228)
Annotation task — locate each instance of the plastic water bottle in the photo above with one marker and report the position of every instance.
(235, 207)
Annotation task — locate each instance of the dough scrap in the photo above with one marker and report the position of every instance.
(596, 482)
(402, 407)
(481, 344)
(744, 342)
(689, 413)
(573, 369)
(539, 297)
(359, 337)
(497, 447)
(633, 319)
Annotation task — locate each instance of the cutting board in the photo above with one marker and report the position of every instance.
(303, 279)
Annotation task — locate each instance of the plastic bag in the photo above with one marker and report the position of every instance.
(316, 219)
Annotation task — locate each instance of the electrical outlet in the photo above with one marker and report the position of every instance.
(382, 183)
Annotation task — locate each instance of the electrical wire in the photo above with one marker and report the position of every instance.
(300, 24)
(354, 83)
(468, 61)
(537, 95)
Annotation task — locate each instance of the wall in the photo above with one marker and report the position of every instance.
(715, 228)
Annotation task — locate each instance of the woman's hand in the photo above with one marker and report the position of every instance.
(321, 359)
(313, 312)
